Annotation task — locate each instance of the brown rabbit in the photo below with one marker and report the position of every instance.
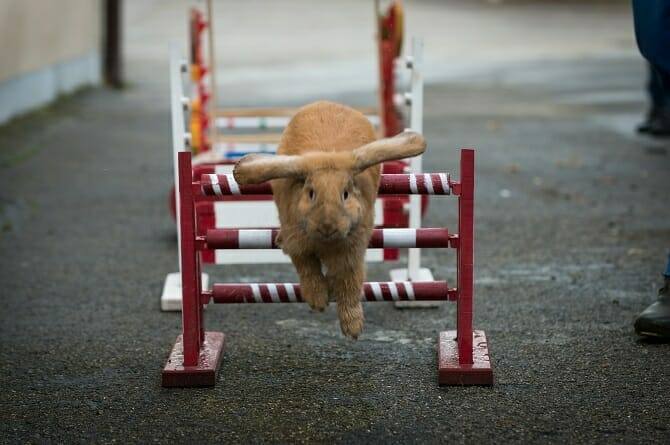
(325, 179)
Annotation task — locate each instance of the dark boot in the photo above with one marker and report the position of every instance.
(645, 126)
(659, 125)
(655, 320)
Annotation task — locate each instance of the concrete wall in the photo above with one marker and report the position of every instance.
(47, 48)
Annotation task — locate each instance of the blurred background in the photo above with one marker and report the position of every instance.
(294, 50)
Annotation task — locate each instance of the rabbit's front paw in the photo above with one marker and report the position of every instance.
(316, 295)
(351, 319)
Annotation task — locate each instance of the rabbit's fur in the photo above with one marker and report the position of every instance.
(325, 178)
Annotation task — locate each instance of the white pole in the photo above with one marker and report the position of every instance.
(381, 131)
(179, 135)
(212, 71)
(416, 124)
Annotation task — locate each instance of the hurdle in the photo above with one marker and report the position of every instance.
(208, 123)
(240, 211)
(463, 357)
(247, 211)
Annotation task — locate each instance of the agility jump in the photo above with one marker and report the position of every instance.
(247, 211)
(462, 353)
(208, 123)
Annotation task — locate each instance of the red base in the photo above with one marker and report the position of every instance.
(204, 374)
(450, 372)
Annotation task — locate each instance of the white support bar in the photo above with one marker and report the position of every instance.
(213, 87)
(179, 142)
(416, 124)
(178, 124)
(414, 99)
(252, 122)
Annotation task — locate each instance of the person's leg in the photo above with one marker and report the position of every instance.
(655, 320)
(652, 32)
(657, 97)
(659, 125)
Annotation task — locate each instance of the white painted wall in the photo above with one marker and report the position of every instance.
(47, 48)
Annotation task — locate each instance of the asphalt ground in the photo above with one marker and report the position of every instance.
(571, 233)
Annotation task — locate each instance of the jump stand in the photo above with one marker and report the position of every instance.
(216, 150)
(211, 127)
(414, 99)
(463, 357)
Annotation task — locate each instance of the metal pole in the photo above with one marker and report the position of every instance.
(212, 72)
(416, 124)
(178, 133)
(113, 61)
(191, 305)
(380, 67)
(466, 256)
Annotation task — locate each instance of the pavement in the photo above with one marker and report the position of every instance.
(572, 229)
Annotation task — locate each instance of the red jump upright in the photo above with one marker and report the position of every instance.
(463, 357)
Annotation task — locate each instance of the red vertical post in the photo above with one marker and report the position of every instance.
(190, 282)
(196, 355)
(388, 112)
(388, 49)
(198, 276)
(466, 225)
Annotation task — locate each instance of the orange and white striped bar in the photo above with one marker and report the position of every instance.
(290, 292)
(391, 184)
(222, 148)
(381, 238)
(263, 122)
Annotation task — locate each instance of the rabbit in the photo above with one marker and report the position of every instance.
(325, 178)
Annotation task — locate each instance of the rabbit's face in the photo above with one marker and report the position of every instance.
(329, 205)
(326, 193)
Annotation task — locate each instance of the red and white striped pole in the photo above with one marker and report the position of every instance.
(232, 293)
(381, 238)
(391, 184)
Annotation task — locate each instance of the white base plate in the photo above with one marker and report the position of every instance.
(171, 297)
(424, 275)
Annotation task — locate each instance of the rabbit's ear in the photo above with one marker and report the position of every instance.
(256, 168)
(405, 145)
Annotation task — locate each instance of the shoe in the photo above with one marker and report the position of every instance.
(659, 125)
(645, 127)
(655, 320)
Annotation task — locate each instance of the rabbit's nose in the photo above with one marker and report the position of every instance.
(327, 231)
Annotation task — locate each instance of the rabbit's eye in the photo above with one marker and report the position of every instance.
(345, 195)
(311, 194)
